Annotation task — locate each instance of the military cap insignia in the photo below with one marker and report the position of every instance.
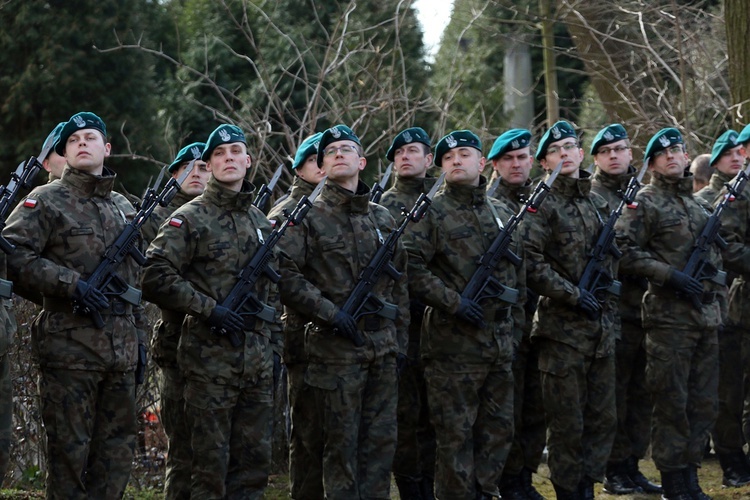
(175, 222)
(224, 135)
(733, 139)
(556, 133)
(79, 121)
(608, 135)
(451, 142)
(515, 145)
(335, 132)
(664, 141)
(29, 203)
(316, 144)
(196, 152)
(407, 137)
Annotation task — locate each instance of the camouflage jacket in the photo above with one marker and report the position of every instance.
(192, 265)
(715, 186)
(299, 188)
(161, 214)
(62, 229)
(659, 234)
(559, 238)
(444, 250)
(7, 318)
(321, 262)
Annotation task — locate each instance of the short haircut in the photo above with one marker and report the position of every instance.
(701, 168)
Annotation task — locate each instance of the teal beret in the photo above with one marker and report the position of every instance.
(78, 121)
(726, 141)
(414, 134)
(223, 134)
(744, 135)
(49, 142)
(188, 153)
(515, 138)
(308, 147)
(334, 134)
(608, 135)
(663, 139)
(558, 131)
(456, 139)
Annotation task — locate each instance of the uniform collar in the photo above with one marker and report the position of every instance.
(91, 185)
(471, 195)
(571, 186)
(223, 197)
(677, 185)
(718, 179)
(613, 182)
(414, 185)
(513, 191)
(358, 202)
(300, 188)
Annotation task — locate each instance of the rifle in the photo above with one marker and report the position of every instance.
(482, 284)
(379, 187)
(241, 299)
(151, 188)
(697, 265)
(493, 187)
(264, 193)
(105, 277)
(361, 301)
(595, 278)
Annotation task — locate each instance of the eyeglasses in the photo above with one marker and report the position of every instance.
(567, 147)
(345, 150)
(616, 149)
(673, 150)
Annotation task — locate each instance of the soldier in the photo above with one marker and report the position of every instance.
(612, 158)
(573, 331)
(656, 235)
(305, 465)
(414, 462)
(54, 164)
(7, 331)
(511, 162)
(726, 160)
(166, 334)
(87, 384)
(467, 348)
(351, 371)
(701, 170)
(192, 265)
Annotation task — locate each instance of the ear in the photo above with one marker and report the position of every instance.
(362, 162)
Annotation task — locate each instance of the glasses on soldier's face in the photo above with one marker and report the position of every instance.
(570, 146)
(345, 150)
(673, 150)
(616, 150)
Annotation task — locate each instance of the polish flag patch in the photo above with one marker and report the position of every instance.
(273, 222)
(29, 203)
(633, 205)
(175, 222)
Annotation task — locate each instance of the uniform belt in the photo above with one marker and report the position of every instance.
(116, 306)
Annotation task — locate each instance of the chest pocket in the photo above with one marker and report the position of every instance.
(669, 223)
(331, 245)
(217, 249)
(81, 231)
(458, 234)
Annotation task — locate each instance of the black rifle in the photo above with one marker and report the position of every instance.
(105, 278)
(361, 301)
(266, 190)
(241, 298)
(698, 266)
(379, 187)
(482, 284)
(596, 278)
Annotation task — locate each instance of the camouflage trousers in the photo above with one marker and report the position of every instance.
(633, 399)
(579, 406)
(682, 375)
(727, 434)
(231, 437)
(471, 408)
(305, 438)
(89, 417)
(6, 413)
(746, 384)
(358, 407)
(177, 429)
(415, 448)
(530, 432)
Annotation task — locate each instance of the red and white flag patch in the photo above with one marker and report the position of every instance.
(633, 205)
(175, 222)
(29, 203)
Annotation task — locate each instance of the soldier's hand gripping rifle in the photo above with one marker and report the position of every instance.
(596, 279)
(266, 190)
(105, 280)
(242, 299)
(698, 267)
(361, 301)
(379, 187)
(483, 285)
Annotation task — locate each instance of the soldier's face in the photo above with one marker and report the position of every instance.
(730, 162)
(514, 166)
(86, 149)
(309, 170)
(614, 158)
(567, 151)
(670, 162)
(229, 163)
(54, 164)
(463, 166)
(342, 161)
(195, 182)
(411, 160)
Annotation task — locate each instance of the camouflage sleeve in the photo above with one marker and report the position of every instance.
(401, 293)
(519, 309)
(632, 235)
(28, 227)
(733, 229)
(168, 258)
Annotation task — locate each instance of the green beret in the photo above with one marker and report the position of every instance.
(188, 153)
(515, 138)
(726, 141)
(49, 142)
(308, 147)
(223, 134)
(414, 134)
(663, 139)
(78, 121)
(744, 135)
(456, 139)
(608, 135)
(558, 131)
(334, 134)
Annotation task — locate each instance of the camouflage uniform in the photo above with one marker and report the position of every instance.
(576, 354)
(468, 370)
(8, 327)
(715, 186)
(86, 383)
(681, 342)
(415, 450)
(305, 465)
(192, 265)
(353, 389)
